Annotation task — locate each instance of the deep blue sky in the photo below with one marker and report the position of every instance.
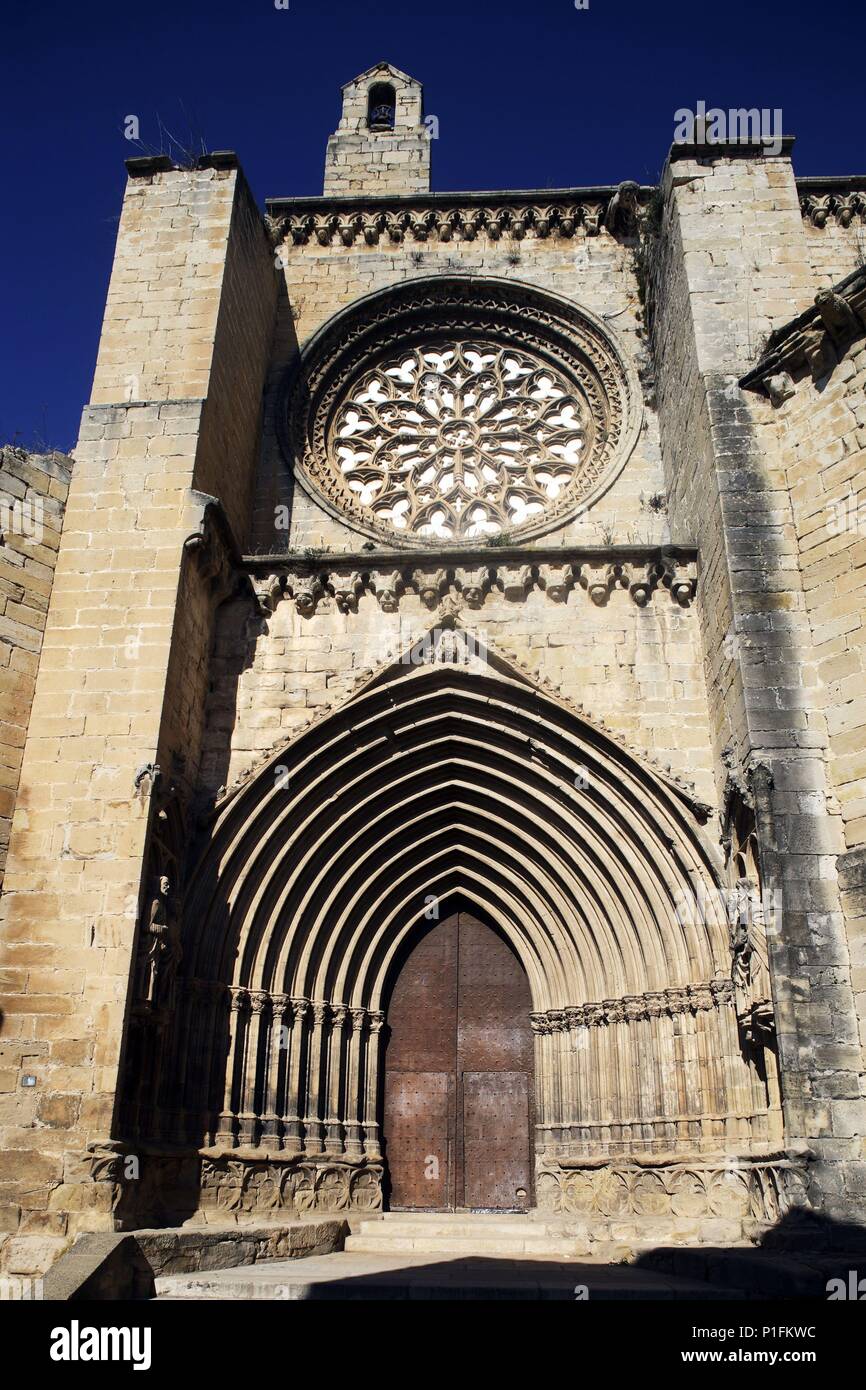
(529, 94)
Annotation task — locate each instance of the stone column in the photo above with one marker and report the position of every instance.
(227, 1126)
(295, 1089)
(333, 1121)
(272, 1106)
(247, 1118)
(372, 1143)
(313, 1130)
(354, 1096)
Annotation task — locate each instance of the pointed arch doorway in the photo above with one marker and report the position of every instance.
(459, 1076)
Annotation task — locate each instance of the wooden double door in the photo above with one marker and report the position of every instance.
(458, 1095)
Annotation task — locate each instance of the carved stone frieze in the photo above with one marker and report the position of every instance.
(635, 1007)
(472, 585)
(262, 1187)
(732, 1188)
(840, 206)
(558, 216)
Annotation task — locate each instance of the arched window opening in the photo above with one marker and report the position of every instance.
(381, 107)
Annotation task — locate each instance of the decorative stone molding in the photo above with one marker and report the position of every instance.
(346, 588)
(268, 590)
(475, 585)
(831, 201)
(388, 588)
(514, 580)
(429, 585)
(306, 590)
(559, 214)
(558, 580)
(414, 418)
(814, 341)
(636, 1007)
(733, 1188)
(255, 1185)
(599, 577)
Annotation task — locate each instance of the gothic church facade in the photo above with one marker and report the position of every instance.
(444, 782)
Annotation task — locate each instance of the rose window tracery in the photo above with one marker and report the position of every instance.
(460, 440)
(459, 410)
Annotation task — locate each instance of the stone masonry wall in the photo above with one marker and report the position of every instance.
(636, 668)
(819, 436)
(597, 272)
(734, 227)
(821, 440)
(33, 490)
(111, 698)
(835, 250)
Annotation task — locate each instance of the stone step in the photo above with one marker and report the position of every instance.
(466, 1245)
(443, 1225)
(425, 1276)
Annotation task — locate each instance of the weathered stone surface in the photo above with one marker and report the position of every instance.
(581, 642)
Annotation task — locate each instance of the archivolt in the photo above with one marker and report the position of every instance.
(444, 781)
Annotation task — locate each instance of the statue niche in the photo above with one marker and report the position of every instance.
(748, 912)
(160, 952)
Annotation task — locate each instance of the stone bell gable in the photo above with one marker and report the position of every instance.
(450, 577)
(381, 145)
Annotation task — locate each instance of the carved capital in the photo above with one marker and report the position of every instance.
(300, 1009)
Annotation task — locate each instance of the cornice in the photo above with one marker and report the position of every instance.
(386, 557)
(437, 579)
(838, 200)
(555, 213)
(708, 150)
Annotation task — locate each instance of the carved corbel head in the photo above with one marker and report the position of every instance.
(514, 579)
(474, 585)
(268, 593)
(346, 588)
(388, 588)
(430, 586)
(779, 387)
(599, 580)
(642, 586)
(558, 581)
(306, 591)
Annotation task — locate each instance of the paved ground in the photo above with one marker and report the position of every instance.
(348, 1275)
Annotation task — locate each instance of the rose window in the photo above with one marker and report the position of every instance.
(460, 440)
(459, 410)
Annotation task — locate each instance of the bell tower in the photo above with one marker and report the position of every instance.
(381, 144)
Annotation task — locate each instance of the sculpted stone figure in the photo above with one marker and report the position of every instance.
(621, 215)
(837, 315)
(750, 971)
(161, 950)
